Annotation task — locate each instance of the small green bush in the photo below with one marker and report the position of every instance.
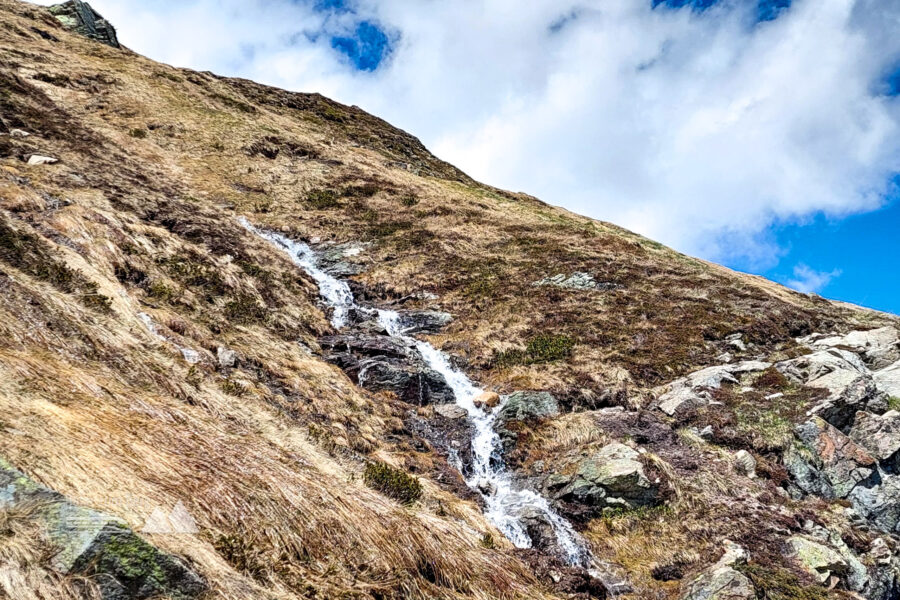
(409, 200)
(138, 133)
(233, 388)
(540, 349)
(322, 199)
(366, 190)
(392, 482)
(245, 310)
(161, 291)
(894, 403)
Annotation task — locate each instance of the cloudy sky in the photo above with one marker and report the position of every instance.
(762, 134)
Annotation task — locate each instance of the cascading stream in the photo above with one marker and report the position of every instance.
(505, 503)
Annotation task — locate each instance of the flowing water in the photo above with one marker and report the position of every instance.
(506, 504)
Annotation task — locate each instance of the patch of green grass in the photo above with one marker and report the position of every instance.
(243, 309)
(138, 133)
(391, 482)
(487, 541)
(366, 190)
(409, 200)
(322, 199)
(389, 228)
(540, 349)
(162, 292)
(233, 388)
(894, 403)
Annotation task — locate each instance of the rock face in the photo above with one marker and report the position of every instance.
(888, 380)
(78, 16)
(88, 542)
(833, 369)
(827, 462)
(877, 347)
(613, 477)
(861, 394)
(880, 435)
(424, 321)
(576, 281)
(688, 393)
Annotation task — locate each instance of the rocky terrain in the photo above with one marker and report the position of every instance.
(259, 344)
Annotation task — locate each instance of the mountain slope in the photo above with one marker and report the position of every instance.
(127, 279)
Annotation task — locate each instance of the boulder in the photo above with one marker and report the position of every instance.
(423, 321)
(833, 370)
(879, 503)
(883, 581)
(880, 435)
(888, 380)
(451, 411)
(369, 345)
(817, 559)
(720, 583)
(412, 383)
(334, 258)
(37, 159)
(861, 394)
(684, 395)
(524, 406)
(487, 400)
(19, 133)
(79, 17)
(682, 401)
(575, 281)
(226, 358)
(87, 542)
(745, 463)
(827, 462)
(877, 347)
(613, 477)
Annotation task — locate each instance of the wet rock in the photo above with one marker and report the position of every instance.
(90, 543)
(880, 435)
(833, 370)
(79, 17)
(423, 321)
(369, 345)
(524, 406)
(38, 159)
(576, 281)
(827, 462)
(335, 259)
(817, 559)
(888, 380)
(414, 384)
(226, 358)
(745, 463)
(877, 347)
(450, 411)
(861, 394)
(487, 400)
(613, 477)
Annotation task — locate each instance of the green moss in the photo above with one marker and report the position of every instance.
(192, 271)
(389, 228)
(322, 199)
(161, 291)
(392, 482)
(243, 309)
(894, 403)
(540, 349)
(138, 133)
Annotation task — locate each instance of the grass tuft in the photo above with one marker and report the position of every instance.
(391, 482)
(540, 349)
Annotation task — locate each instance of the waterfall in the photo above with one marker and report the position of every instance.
(505, 503)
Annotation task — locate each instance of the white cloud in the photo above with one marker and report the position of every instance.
(807, 280)
(696, 130)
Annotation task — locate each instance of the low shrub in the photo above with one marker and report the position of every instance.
(391, 482)
(322, 199)
(243, 309)
(138, 133)
(540, 349)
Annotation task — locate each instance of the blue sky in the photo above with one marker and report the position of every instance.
(761, 134)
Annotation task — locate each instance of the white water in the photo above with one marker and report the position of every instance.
(505, 503)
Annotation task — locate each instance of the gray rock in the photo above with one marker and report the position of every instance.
(424, 321)
(414, 384)
(888, 380)
(684, 395)
(90, 543)
(335, 259)
(879, 503)
(832, 369)
(817, 559)
(38, 159)
(523, 406)
(78, 16)
(859, 395)
(720, 583)
(877, 347)
(883, 581)
(834, 464)
(745, 463)
(879, 434)
(451, 411)
(575, 281)
(226, 358)
(613, 477)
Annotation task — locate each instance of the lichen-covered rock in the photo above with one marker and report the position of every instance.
(613, 477)
(523, 406)
(834, 464)
(877, 347)
(87, 542)
(879, 503)
(720, 583)
(684, 395)
(832, 369)
(575, 281)
(861, 394)
(879, 434)
(817, 559)
(423, 321)
(745, 463)
(78, 16)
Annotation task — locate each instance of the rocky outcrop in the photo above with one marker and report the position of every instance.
(576, 281)
(684, 395)
(423, 321)
(880, 435)
(87, 542)
(613, 477)
(817, 559)
(832, 369)
(722, 581)
(78, 16)
(878, 348)
(888, 380)
(860, 395)
(523, 406)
